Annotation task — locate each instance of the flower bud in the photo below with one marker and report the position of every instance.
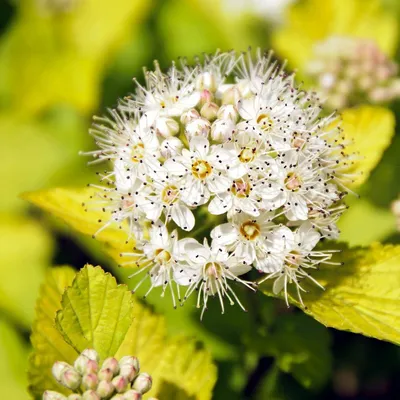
(58, 368)
(206, 81)
(51, 395)
(105, 389)
(231, 95)
(128, 371)
(167, 127)
(189, 116)
(222, 130)
(92, 367)
(206, 97)
(130, 360)
(91, 354)
(170, 147)
(70, 378)
(74, 397)
(132, 395)
(228, 111)
(209, 111)
(142, 383)
(90, 381)
(198, 127)
(112, 364)
(120, 383)
(90, 395)
(105, 374)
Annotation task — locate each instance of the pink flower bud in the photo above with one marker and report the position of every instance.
(105, 374)
(51, 395)
(91, 354)
(71, 378)
(120, 383)
(90, 395)
(58, 368)
(206, 97)
(167, 127)
(134, 361)
(228, 111)
(105, 389)
(74, 397)
(189, 116)
(112, 364)
(128, 371)
(198, 127)
(90, 381)
(132, 395)
(209, 111)
(143, 383)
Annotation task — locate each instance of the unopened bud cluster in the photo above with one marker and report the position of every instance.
(396, 212)
(90, 380)
(349, 70)
(220, 168)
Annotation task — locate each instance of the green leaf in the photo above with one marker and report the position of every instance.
(74, 207)
(98, 313)
(302, 347)
(25, 251)
(48, 344)
(370, 129)
(13, 355)
(66, 53)
(362, 296)
(364, 223)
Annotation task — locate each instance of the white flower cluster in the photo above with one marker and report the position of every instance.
(221, 168)
(349, 70)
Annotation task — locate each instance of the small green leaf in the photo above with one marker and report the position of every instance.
(48, 344)
(370, 130)
(362, 296)
(97, 313)
(302, 347)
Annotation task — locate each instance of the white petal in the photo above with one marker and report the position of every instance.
(200, 145)
(298, 210)
(152, 209)
(307, 236)
(159, 235)
(225, 234)
(183, 217)
(220, 204)
(279, 284)
(174, 167)
(197, 253)
(218, 183)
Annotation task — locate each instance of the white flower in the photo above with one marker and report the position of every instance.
(245, 236)
(211, 270)
(230, 151)
(167, 199)
(202, 168)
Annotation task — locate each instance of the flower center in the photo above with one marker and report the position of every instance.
(265, 122)
(213, 270)
(137, 152)
(293, 182)
(162, 256)
(298, 142)
(201, 169)
(241, 188)
(293, 260)
(250, 230)
(247, 155)
(170, 194)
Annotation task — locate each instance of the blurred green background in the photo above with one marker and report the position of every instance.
(61, 62)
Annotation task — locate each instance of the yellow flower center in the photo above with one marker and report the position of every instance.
(201, 169)
(213, 269)
(265, 122)
(247, 154)
(293, 182)
(240, 188)
(162, 256)
(250, 230)
(170, 194)
(137, 152)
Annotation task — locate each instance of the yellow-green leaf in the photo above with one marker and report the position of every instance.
(25, 251)
(364, 223)
(370, 130)
(98, 313)
(48, 344)
(362, 296)
(13, 356)
(75, 207)
(60, 58)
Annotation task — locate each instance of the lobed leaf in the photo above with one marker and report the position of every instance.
(48, 344)
(362, 296)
